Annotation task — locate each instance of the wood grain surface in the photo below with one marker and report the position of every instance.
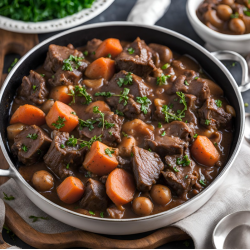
(21, 43)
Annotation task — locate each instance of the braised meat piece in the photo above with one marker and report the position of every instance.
(146, 167)
(92, 46)
(63, 157)
(67, 77)
(165, 53)
(111, 131)
(115, 212)
(213, 116)
(137, 88)
(30, 144)
(33, 88)
(57, 54)
(180, 174)
(94, 198)
(140, 62)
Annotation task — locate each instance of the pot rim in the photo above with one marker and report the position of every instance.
(226, 168)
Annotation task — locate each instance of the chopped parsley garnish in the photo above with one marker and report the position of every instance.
(247, 10)
(91, 212)
(176, 169)
(246, 104)
(73, 113)
(186, 176)
(59, 123)
(184, 161)
(43, 75)
(12, 64)
(202, 182)
(159, 125)
(183, 101)
(32, 136)
(24, 148)
(109, 152)
(90, 142)
(150, 150)
(207, 122)
(195, 136)
(72, 141)
(124, 134)
(196, 77)
(132, 155)
(53, 76)
(127, 80)
(109, 55)
(165, 66)
(97, 111)
(86, 53)
(88, 174)
(215, 143)
(235, 15)
(81, 92)
(124, 96)
(145, 102)
(62, 145)
(102, 214)
(118, 112)
(169, 116)
(67, 63)
(8, 198)
(110, 133)
(131, 51)
(88, 123)
(93, 53)
(105, 94)
(163, 133)
(218, 103)
(186, 83)
(35, 218)
(34, 87)
(67, 166)
(162, 80)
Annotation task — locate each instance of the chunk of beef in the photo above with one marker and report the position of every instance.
(63, 77)
(30, 144)
(115, 212)
(216, 115)
(110, 134)
(165, 53)
(94, 198)
(146, 167)
(92, 46)
(140, 62)
(177, 134)
(179, 178)
(61, 158)
(137, 88)
(57, 54)
(33, 88)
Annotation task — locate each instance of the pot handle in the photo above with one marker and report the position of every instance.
(4, 172)
(231, 55)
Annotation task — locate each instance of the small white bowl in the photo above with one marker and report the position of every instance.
(237, 43)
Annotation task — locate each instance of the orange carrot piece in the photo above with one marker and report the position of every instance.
(110, 46)
(61, 94)
(61, 111)
(204, 151)
(101, 68)
(120, 187)
(98, 162)
(103, 106)
(29, 115)
(70, 190)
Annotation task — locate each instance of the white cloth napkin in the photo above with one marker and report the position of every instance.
(148, 11)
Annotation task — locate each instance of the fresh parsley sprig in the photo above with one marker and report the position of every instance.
(67, 63)
(162, 80)
(185, 161)
(59, 123)
(35, 218)
(127, 80)
(32, 136)
(145, 102)
(109, 152)
(8, 198)
(81, 92)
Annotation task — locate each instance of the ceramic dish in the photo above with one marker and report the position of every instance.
(124, 31)
(237, 43)
(57, 24)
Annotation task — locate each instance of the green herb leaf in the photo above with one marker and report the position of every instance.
(24, 148)
(109, 152)
(62, 145)
(165, 66)
(207, 122)
(43, 75)
(186, 83)
(235, 15)
(202, 182)
(218, 103)
(195, 136)
(127, 80)
(91, 212)
(15, 60)
(32, 136)
(72, 141)
(34, 87)
(119, 112)
(109, 55)
(59, 123)
(124, 134)
(72, 61)
(102, 214)
(145, 102)
(73, 113)
(196, 77)
(159, 125)
(124, 96)
(81, 92)
(163, 133)
(132, 155)
(86, 53)
(184, 161)
(35, 218)
(90, 142)
(162, 80)
(105, 94)
(150, 150)
(215, 144)
(8, 198)
(67, 166)
(131, 51)
(97, 111)
(88, 123)
(176, 169)
(88, 174)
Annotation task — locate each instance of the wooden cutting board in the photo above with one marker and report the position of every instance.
(21, 43)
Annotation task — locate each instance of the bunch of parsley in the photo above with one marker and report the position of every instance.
(41, 10)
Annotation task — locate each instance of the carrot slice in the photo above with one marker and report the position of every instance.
(61, 117)
(61, 94)
(29, 115)
(120, 187)
(101, 68)
(110, 46)
(70, 190)
(204, 151)
(98, 161)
